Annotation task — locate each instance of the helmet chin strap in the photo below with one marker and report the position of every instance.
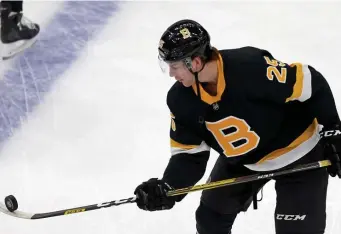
(197, 83)
(188, 63)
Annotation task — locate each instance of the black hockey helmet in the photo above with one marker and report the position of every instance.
(184, 39)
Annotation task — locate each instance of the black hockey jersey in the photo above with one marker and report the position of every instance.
(266, 115)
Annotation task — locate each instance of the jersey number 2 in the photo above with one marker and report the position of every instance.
(233, 135)
(273, 70)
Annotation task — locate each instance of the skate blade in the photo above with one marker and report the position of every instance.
(11, 50)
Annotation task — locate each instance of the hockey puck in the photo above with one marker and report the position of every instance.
(11, 203)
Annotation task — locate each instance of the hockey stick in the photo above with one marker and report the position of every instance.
(249, 178)
(211, 185)
(25, 215)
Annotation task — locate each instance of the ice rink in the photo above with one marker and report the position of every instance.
(83, 115)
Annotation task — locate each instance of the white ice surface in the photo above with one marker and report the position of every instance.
(104, 126)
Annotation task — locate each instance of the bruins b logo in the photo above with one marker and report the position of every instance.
(185, 33)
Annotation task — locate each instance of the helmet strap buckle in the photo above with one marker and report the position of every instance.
(188, 63)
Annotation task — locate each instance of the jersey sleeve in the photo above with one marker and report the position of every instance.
(321, 101)
(184, 141)
(189, 156)
(285, 83)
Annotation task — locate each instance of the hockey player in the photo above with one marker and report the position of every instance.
(17, 32)
(260, 114)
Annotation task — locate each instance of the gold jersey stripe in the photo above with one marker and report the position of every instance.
(294, 151)
(175, 144)
(307, 134)
(298, 87)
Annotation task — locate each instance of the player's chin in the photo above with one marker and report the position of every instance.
(187, 84)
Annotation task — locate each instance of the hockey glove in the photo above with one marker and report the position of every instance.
(152, 195)
(331, 140)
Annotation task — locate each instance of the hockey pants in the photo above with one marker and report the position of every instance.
(300, 205)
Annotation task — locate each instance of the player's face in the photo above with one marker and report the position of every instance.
(181, 73)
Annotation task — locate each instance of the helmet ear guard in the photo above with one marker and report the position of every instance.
(188, 63)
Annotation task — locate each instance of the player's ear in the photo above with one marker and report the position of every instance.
(197, 64)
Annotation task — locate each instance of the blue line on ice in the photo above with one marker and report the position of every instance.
(59, 45)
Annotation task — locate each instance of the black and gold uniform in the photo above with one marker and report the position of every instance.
(266, 115)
